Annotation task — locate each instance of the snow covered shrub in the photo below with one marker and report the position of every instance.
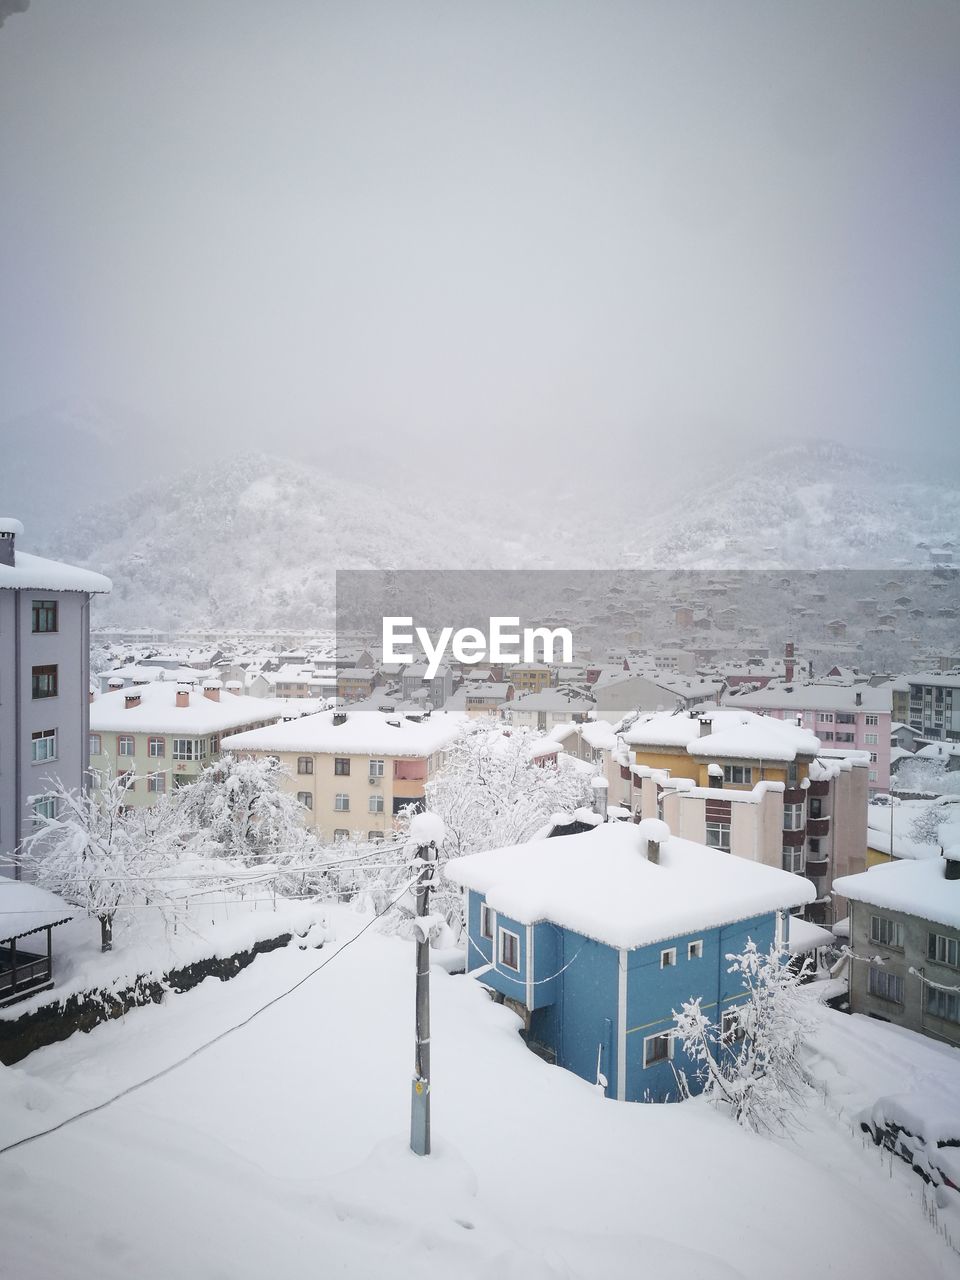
(750, 1063)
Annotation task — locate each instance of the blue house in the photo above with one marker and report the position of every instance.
(596, 938)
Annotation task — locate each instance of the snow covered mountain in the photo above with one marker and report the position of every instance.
(254, 541)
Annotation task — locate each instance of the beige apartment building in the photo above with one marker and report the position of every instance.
(758, 787)
(164, 733)
(354, 771)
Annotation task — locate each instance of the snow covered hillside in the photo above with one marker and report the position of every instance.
(254, 540)
(283, 1150)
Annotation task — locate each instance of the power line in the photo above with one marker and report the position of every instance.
(194, 1053)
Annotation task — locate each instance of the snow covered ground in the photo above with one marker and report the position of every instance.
(282, 1149)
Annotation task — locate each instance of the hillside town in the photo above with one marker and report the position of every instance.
(638, 848)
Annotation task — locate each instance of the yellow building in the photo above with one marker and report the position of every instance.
(529, 677)
(354, 771)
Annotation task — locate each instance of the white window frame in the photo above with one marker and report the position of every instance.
(871, 740)
(156, 741)
(376, 769)
(502, 935)
(941, 948)
(886, 979)
(94, 750)
(886, 932)
(186, 749)
(648, 1041)
(126, 737)
(718, 832)
(745, 771)
(341, 802)
(47, 739)
(305, 798)
(668, 958)
(488, 922)
(871, 720)
(157, 783)
(695, 950)
(44, 807)
(793, 817)
(376, 804)
(795, 859)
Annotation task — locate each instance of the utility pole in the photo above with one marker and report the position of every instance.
(420, 1094)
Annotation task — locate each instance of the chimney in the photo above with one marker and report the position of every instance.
(211, 690)
(183, 696)
(339, 717)
(599, 786)
(858, 697)
(9, 528)
(706, 726)
(788, 663)
(131, 699)
(653, 852)
(115, 683)
(92, 695)
(951, 870)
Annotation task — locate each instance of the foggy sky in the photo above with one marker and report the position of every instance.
(448, 228)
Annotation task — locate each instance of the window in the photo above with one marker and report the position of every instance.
(889, 933)
(792, 817)
(44, 807)
(695, 950)
(214, 744)
(825, 735)
(845, 737)
(844, 717)
(43, 745)
(94, 744)
(156, 748)
(376, 768)
(732, 1031)
(486, 922)
(738, 773)
(129, 779)
(509, 949)
(157, 783)
(340, 835)
(824, 717)
(871, 719)
(943, 950)
(341, 767)
(813, 844)
(943, 1004)
(668, 958)
(718, 835)
(873, 775)
(376, 803)
(304, 764)
(305, 798)
(793, 861)
(885, 985)
(374, 835)
(873, 757)
(126, 744)
(43, 616)
(187, 749)
(342, 802)
(815, 807)
(45, 682)
(870, 739)
(658, 1048)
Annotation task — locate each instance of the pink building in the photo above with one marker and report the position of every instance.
(843, 715)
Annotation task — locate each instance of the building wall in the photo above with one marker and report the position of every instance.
(913, 955)
(21, 715)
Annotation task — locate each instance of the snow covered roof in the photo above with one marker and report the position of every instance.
(25, 908)
(37, 574)
(804, 936)
(918, 887)
(734, 734)
(373, 733)
(551, 700)
(903, 845)
(600, 884)
(158, 711)
(818, 697)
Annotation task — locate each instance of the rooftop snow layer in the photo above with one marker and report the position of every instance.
(733, 734)
(33, 572)
(362, 733)
(599, 884)
(158, 711)
(24, 908)
(918, 887)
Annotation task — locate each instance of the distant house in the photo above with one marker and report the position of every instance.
(415, 682)
(905, 944)
(547, 709)
(354, 683)
(594, 939)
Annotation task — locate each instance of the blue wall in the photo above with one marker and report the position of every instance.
(574, 1004)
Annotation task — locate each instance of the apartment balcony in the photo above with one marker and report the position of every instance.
(820, 788)
(794, 839)
(410, 770)
(818, 826)
(816, 867)
(794, 795)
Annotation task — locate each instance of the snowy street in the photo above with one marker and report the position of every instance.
(284, 1147)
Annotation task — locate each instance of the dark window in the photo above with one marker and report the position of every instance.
(509, 949)
(657, 1048)
(45, 682)
(814, 844)
(486, 922)
(341, 767)
(44, 615)
(305, 764)
(814, 807)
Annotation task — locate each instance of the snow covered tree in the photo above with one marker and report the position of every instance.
(750, 1062)
(492, 792)
(96, 851)
(238, 804)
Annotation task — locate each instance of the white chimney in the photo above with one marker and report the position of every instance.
(599, 786)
